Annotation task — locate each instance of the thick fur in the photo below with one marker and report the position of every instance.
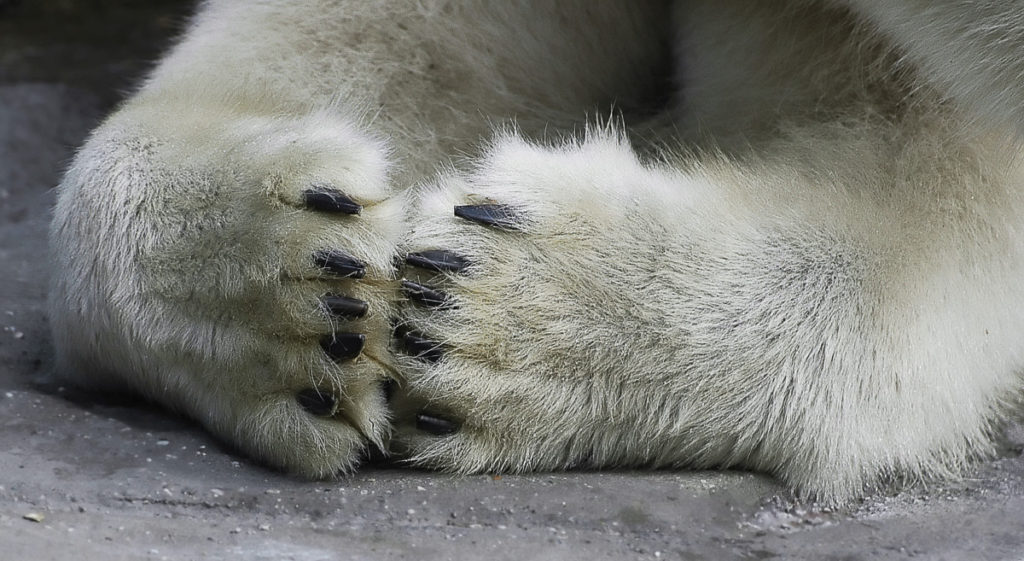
(797, 247)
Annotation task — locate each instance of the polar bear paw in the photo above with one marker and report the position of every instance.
(515, 307)
(243, 272)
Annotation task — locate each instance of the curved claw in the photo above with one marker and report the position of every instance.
(340, 264)
(343, 346)
(316, 402)
(425, 295)
(329, 200)
(438, 260)
(503, 217)
(435, 425)
(422, 348)
(345, 307)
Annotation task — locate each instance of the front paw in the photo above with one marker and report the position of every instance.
(243, 273)
(526, 310)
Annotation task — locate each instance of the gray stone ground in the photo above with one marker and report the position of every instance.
(104, 478)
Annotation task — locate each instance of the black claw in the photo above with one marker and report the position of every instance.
(328, 200)
(422, 348)
(316, 402)
(343, 346)
(435, 425)
(398, 327)
(438, 260)
(345, 307)
(387, 387)
(498, 216)
(373, 454)
(425, 295)
(340, 264)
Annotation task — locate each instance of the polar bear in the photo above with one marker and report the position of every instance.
(785, 236)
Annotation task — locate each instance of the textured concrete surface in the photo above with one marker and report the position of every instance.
(91, 477)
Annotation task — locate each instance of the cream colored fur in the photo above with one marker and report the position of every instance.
(797, 247)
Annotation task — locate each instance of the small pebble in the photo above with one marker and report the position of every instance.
(34, 517)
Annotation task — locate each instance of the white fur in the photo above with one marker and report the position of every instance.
(805, 261)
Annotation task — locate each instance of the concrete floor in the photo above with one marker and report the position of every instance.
(104, 478)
